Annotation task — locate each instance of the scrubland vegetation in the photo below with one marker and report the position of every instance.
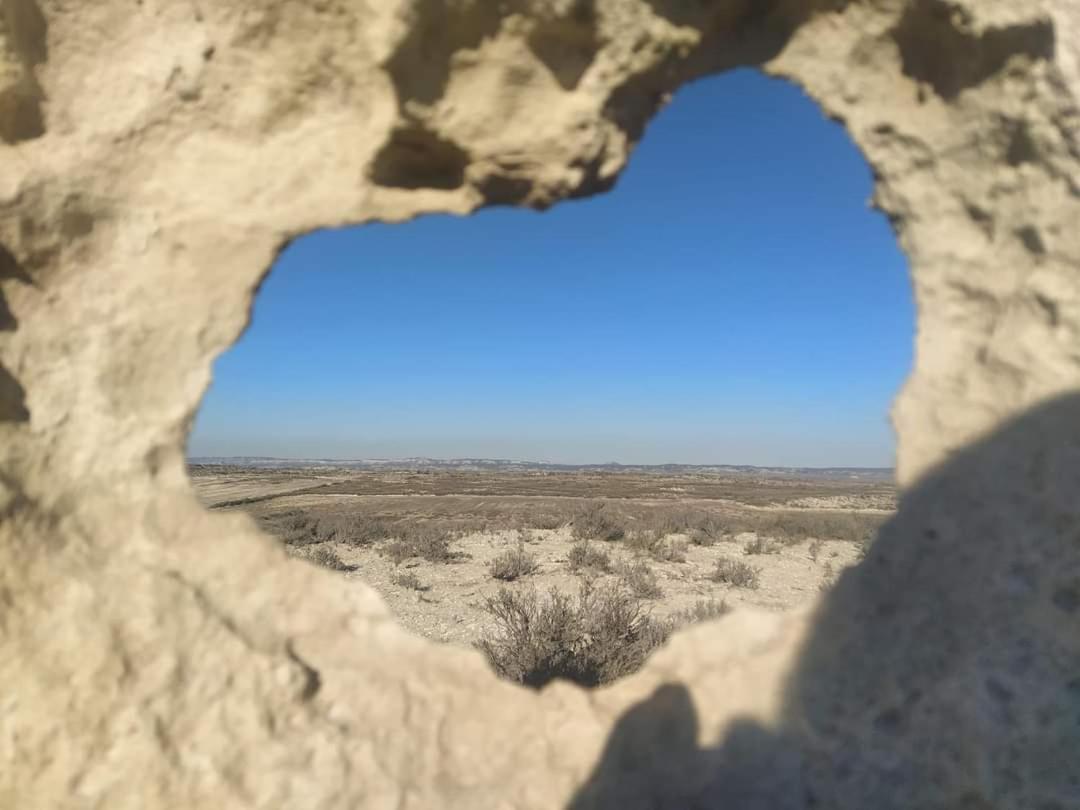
(565, 587)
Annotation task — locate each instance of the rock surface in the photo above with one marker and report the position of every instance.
(155, 157)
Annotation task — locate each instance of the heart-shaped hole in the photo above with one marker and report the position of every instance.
(628, 354)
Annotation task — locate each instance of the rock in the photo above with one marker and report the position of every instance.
(156, 157)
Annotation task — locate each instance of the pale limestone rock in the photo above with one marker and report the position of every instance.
(155, 157)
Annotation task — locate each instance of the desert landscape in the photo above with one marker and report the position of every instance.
(528, 560)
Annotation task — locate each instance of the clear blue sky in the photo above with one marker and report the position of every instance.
(733, 300)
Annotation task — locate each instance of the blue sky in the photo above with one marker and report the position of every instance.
(733, 300)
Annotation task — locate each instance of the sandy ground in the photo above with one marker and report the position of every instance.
(450, 609)
(219, 490)
(488, 514)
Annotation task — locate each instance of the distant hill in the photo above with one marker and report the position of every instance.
(511, 465)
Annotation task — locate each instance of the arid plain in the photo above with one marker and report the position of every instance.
(452, 548)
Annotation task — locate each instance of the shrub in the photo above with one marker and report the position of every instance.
(596, 523)
(864, 545)
(828, 578)
(704, 610)
(363, 530)
(513, 564)
(296, 527)
(293, 527)
(426, 542)
(546, 521)
(691, 522)
(761, 545)
(736, 573)
(815, 548)
(584, 554)
(655, 545)
(670, 551)
(409, 580)
(327, 558)
(643, 541)
(794, 527)
(640, 579)
(700, 536)
(601, 636)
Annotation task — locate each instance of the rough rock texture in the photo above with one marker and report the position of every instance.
(155, 155)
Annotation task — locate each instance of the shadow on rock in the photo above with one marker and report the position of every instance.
(942, 672)
(652, 760)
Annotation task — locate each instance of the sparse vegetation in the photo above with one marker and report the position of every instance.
(700, 536)
(828, 578)
(670, 551)
(736, 573)
(704, 610)
(602, 635)
(596, 522)
(513, 564)
(547, 521)
(587, 556)
(864, 545)
(639, 577)
(407, 579)
(427, 542)
(795, 526)
(761, 545)
(404, 526)
(299, 528)
(655, 544)
(328, 558)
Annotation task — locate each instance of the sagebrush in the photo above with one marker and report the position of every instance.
(426, 542)
(601, 635)
(513, 564)
(598, 522)
(639, 577)
(586, 555)
(737, 573)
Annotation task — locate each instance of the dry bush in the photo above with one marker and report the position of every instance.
(585, 555)
(654, 544)
(643, 541)
(293, 527)
(513, 564)
(427, 542)
(327, 558)
(670, 551)
(407, 579)
(864, 546)
(640, 579)
(461, 526)
(596, 522)
(356, 530)
(797, 526)
(736, 573)
(815, 549)
(602, 635)
(828, 578)
(761, 545)
(296, 527)
(683, 520)
(699, 536)
(704, 610)
(543, 520)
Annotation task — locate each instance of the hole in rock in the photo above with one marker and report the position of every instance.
(535, 432)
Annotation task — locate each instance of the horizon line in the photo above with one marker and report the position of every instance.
(445, 459)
